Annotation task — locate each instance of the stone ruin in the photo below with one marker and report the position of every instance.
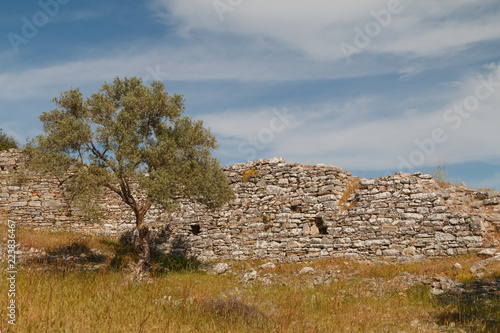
(284, 212)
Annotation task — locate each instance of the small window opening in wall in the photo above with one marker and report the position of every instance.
(195, 229)
(295, 209)
(321, 226)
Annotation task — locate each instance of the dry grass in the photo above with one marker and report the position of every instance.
(248, 174)
(360, 297)
(195, 302)
(53, 241)
(440, 175)
(348, 192)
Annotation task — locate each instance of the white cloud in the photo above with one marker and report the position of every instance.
(451, 84)
(245, 61)
(330, 133)
(241, 124)
(441, 39)
(491, 65)
(409, 72)
(319, 117)
(51, 81)
(423, 28)
(81, 15)
(277, 40)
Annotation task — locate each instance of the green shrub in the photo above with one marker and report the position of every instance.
(7, 142)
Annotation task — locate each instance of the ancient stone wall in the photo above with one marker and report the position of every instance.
(285, 211)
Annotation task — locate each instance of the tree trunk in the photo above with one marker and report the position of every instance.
(144, 251)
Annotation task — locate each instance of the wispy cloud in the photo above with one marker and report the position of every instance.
(81, 15)
(423, 28)
(409, 72)
(246, 62)
(451, 84)
(332, 134)
(491, 65)
(355, 131)
(276, 41)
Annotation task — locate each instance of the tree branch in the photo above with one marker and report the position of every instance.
(114, 189)
(100, 155)
(61, 182)
(145, 206)
(128, 198)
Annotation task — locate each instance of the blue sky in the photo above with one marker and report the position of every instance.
(370, 86)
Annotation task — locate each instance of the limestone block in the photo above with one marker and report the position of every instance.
(18, 204)
(271, 189)
(444, 237)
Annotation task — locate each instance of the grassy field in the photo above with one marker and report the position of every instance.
(54, 296)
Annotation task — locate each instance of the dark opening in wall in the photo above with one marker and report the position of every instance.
(195, 229)
(296, 209)
(321, 226)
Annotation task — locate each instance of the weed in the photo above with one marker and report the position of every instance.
(248, 174)
(348, 192)
(439, 174)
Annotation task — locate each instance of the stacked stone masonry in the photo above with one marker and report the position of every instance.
(284, 211)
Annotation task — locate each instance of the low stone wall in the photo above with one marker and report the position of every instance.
(285, 211)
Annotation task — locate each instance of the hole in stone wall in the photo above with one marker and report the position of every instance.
(195, 229)
(321, 226)
(296, 209)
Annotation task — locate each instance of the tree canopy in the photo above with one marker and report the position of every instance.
(125, 135)
(7, 142)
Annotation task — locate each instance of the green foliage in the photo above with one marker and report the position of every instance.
(7, 142)
(175, 262)
(126, 134)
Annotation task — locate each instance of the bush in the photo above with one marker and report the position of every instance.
(174, 262)
(7, 142)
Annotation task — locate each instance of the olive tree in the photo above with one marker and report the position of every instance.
(133, 140)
